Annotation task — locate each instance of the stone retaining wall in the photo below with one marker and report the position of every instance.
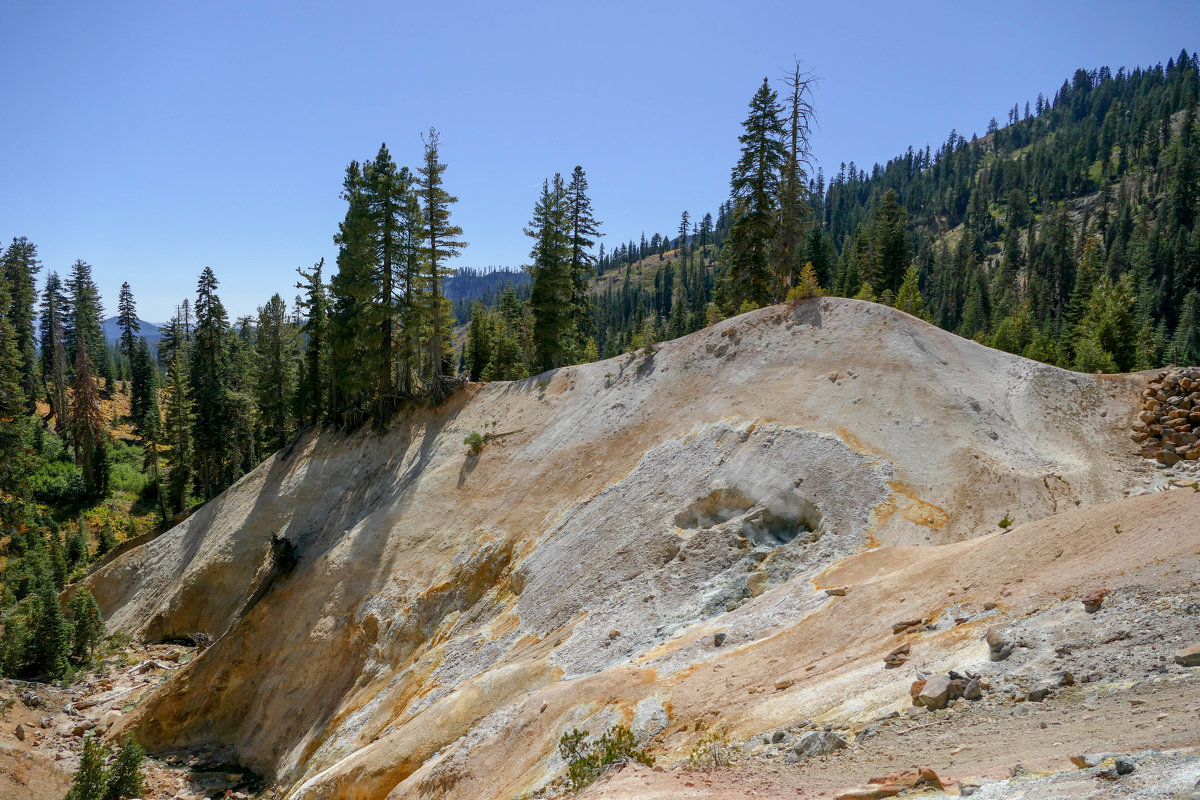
(1168, 427)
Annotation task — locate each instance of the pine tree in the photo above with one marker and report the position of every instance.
(352, 289)
(1185, 346)
(127, 321)
(315, 305)
(124, 779)
(91, 778)
(19, 266)
(86, 624)
(143, 383)
(1107, 336)
(442, 242)
(53, 319)
(394, 222)
(178, 432)
(84, 316)
(14, 453)
(754, 186)
(479, 341)
(788, 254)
(276, 354)
(550, 294)
(89, 429)
(51, 641)
(152, 436)
(585, 229)
(889, 244)
(909, 299)
(213, 427)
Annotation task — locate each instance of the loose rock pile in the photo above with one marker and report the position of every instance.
(1168, 427)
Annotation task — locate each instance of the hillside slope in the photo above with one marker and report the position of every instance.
(575, 571)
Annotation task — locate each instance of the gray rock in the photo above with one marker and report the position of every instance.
(20, 733)
(1124, 765)
(778, 737)
(817, 743)
(973, 691)
(1039, 694)
(718, 638)
(1188, 656)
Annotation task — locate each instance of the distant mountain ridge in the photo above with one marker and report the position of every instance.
(151, 330)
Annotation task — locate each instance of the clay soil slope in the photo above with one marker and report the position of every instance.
(450, 615)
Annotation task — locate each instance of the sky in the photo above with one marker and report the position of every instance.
(152, 139)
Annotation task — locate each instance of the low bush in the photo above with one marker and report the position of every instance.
(587, 758)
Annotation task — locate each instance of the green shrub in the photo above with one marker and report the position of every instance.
(474, 441)
(586, 759)
(712, 750)
(58, 483)
(125, 468)
(1006, 521)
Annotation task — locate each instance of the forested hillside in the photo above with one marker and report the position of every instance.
(1068, 234)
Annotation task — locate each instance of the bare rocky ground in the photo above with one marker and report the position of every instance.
(760, 537)
(42, 729)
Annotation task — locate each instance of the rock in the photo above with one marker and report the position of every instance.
(82, 727)
(897, 656)
(837, 591)
(31, 700)
(1193, 454)
(974, 690)
(1091, 760)
(1066, 679)
(1038, 694)
(20, 732)
(108, 720)
(817, 743)
(1188, 656)
(783, 683)
(958, 688)
(1168, 458)
(906, 625)
(914, 691)
(778, 736)
(969, 786)
(1093, 600)
(935, 693)
(718, 639)
(1124, 765)
(892, 784)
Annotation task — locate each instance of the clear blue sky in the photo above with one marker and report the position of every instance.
(154, 138)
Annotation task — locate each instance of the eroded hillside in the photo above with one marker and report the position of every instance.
(641, 540)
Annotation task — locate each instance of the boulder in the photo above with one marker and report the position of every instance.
(935, 693)
(974, 690)
(1124, 765)
(1188, 656)
(20, 732)
(817, 743)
